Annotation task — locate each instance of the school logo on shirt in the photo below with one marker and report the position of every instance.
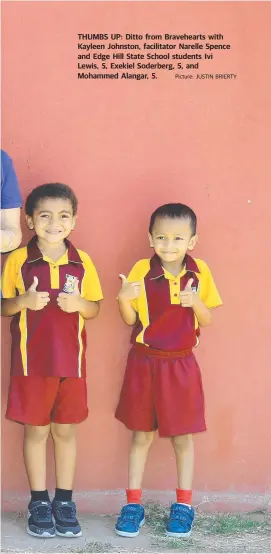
(195, 289)
(70, 284)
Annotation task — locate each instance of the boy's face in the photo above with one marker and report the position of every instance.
(52, 220)
(171, 238)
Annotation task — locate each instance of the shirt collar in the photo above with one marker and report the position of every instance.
(156, 269)
(34, 254)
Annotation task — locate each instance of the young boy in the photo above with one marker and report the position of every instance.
(50, 288)
(166, 299)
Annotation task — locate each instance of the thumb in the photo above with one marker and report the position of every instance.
(76, 287)
(123, 278)
(34, 285)
(189, 284)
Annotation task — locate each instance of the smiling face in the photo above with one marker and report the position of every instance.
(171, 238)
(52, 220)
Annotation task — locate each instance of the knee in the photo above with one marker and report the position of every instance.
(62, 432)
(140, 438)
(182, 442)
(35, 433)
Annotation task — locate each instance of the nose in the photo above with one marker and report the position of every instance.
(55, 221)
(169, 243)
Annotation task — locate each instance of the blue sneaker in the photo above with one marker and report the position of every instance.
(180, 521)
(64, 514)
(132, 517)
(40, 521)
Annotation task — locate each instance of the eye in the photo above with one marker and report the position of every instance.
(178, 238)
(44, 215)
(65, 216)
(160, 238)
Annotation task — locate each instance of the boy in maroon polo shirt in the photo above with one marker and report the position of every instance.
(50, 288)
(167, 299)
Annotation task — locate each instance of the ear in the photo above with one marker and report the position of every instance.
(29, 222)
(193, 241)
(74, 221)
(150, 240)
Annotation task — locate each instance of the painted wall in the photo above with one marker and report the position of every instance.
(127, 147)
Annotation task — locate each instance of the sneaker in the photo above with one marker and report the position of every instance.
(180, 521)
(132, 517)
(64, 514)
(40, 521)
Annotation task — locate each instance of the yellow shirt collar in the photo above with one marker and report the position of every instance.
(171, 277)
(63, 260)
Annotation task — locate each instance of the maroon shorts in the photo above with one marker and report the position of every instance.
(40, 400)
(162, 390)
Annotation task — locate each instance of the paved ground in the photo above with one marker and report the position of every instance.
(212, 533)
(96, 529)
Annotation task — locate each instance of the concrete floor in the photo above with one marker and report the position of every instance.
(98, 536)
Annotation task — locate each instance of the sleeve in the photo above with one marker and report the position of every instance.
(91, 287)
(10, 192)
(208, 292)
(9, 276)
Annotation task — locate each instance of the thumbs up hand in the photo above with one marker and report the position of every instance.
(187, 296)
(34, 285)
(34, 300)
(70, 302)
(128, 291)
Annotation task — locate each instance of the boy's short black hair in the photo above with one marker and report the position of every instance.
(50, 190)
(172, 211)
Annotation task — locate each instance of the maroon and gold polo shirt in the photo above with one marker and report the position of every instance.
(49, 342)
(162, 322)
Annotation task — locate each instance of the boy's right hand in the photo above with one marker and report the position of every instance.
(129, 291)
(34, 300)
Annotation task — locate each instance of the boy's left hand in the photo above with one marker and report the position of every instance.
(70, 302)
(187, 296)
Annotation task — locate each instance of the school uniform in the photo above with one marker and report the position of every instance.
(162, 387)
(48, 364)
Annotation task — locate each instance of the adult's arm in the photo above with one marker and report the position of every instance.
(11, 202)
(11, 234)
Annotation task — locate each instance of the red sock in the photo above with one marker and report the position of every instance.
(184, 497)
(133, 496)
